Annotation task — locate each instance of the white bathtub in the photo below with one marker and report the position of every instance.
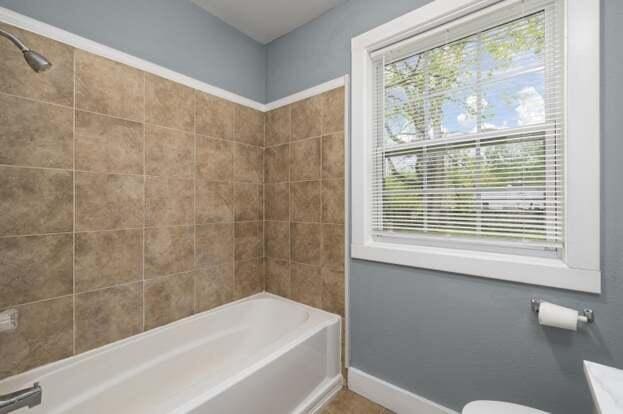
(263, 354)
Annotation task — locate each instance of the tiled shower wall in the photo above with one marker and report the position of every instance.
(128, 201)
(304, 192)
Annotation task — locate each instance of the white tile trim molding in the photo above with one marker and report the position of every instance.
(79, 42)
(307, 93)
(32, 25)
(390, 396)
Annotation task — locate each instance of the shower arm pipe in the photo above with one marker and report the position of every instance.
(14, 40)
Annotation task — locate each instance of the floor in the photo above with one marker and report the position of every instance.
(347, 402)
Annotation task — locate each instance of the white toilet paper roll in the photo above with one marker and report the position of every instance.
(558, 316)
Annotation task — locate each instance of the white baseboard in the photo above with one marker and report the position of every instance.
(390, 396)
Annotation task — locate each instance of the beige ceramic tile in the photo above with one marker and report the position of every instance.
(249, 278)
(333, 246)
(249, 126)
(169, 104)
(107, 315)
(306, 284)
(277, 201)
(278, 277)
(108, 258)
(333, 156)
(333, 201)
(168, 299)
(107, 144)
(278, 126)
(215, 159)
(306, 201)
(109, 201)
(215, 116)
(248, 165)
(277, 239)
(307, 118)
(333, 291)
(247, 240)
(247, 199)
(333, 111)
(35, 201)
(35, 268)
(215, 202)
(306, 243)
(44, 334)
(214, 286)
(277, 164)
(169, 152)
(169, 201)
(55, 85)
(168, 250)
(35, 134)
(109, 87)
(215, 244)
(305, 160)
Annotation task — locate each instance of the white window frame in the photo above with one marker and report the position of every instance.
(579, 267)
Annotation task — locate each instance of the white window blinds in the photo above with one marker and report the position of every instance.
(468, 133)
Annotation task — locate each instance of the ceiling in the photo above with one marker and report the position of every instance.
(266, 20)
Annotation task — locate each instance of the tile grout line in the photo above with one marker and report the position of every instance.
(73, 107)
(142, 284)
(263, 215)
(34, 167)
(232, 140)
(34, 302)
(263, 240)
(195, 290)
(175, 177)
(295, 141)
(41, 101)
(99, 289)
(75, 205)
(322, 241)
(120, 229)
(102, 114)
(235, 207)
(290, 207)
(15, 236)
(168, 128)
(170, 275)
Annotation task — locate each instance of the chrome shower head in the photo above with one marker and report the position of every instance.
(35, 60)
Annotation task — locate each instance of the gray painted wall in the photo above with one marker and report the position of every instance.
(320, 50)
(173, 33)
(455, 338)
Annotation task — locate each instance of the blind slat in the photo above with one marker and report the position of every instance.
(468, 136)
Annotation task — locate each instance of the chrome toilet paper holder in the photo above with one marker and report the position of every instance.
(535, 304)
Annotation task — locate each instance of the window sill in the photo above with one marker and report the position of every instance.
(529, 270)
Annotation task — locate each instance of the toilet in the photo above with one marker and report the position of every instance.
(498, 407)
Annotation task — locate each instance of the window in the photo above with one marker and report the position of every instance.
(468, 159)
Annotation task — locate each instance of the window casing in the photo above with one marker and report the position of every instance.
(466, 141)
